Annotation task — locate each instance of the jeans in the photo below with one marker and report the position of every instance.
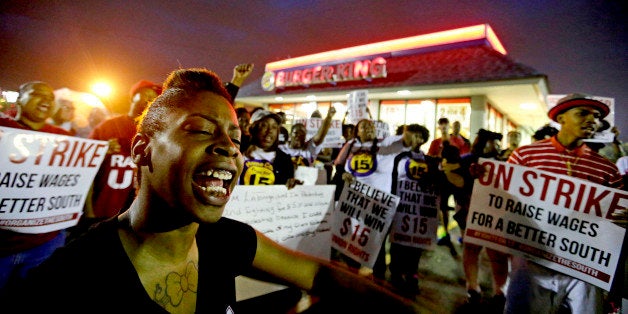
(17, 265)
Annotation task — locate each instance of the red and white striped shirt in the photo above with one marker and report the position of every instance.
(582, 162)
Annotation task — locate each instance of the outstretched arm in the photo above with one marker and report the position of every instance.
(330, 282)
(322, 132)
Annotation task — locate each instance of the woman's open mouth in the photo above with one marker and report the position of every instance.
(213, 183)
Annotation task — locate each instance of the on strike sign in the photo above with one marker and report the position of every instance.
(558, 221)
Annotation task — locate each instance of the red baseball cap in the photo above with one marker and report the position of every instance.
(145, 84)
(577, 100)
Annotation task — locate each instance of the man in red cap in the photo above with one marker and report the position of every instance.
(534, 288)
(113, 186)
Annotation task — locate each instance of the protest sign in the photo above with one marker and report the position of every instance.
(333, 138)
(357, 106)
(382, 129)
(297, 218)
(558, 221)
(45, 178)
(361, 220)
(416, 220)
(311, 175)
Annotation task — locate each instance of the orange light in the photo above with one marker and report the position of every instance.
(482, 31)
(102, 89)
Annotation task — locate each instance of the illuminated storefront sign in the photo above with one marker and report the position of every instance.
(321, 74)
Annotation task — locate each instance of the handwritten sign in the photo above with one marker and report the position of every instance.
(297, 218)
(558, 221)
(45, 178)
(416, 220)
(361, 221)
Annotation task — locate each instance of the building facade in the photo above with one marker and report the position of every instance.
(463, 74)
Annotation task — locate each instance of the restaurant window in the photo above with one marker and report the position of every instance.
(495, 120)
(304, 110)
(400, 112)
(454, 109)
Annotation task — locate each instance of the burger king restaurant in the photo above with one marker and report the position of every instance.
(463, 74)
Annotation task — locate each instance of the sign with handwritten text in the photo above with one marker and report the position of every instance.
(297, 218)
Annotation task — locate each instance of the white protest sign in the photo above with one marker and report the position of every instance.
(382, 129)
(332, 139)
(361, 220)
(356, 106)
(297, 218)
(45, 178)
(558, 221)
(311, 175)
(416, 221)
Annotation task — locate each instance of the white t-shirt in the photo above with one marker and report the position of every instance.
(376, 172)
(302, 157)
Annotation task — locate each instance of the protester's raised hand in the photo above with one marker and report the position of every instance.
(114, 146)
(476, 170)
(292, 182)
(347, 177)
(332, 111)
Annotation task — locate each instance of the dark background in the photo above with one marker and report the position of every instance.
(579, 45)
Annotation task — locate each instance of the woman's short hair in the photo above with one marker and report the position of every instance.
(180, 86)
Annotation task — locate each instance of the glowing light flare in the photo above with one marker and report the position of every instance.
(482, 31)
(102, 89)
(92, 100)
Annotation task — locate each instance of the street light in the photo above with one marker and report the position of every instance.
(102, 89)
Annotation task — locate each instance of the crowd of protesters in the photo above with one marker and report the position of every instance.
(263, 153)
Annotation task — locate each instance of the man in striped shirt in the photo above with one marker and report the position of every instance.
(534, 288)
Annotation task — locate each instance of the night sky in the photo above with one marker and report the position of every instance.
(580, 45)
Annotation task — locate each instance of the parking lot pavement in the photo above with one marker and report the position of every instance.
(442, 281)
